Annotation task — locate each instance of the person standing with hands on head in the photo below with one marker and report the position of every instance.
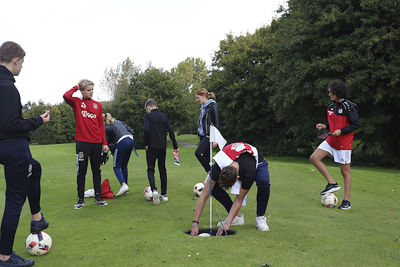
(155, 126)
(209, 114)
(342, 121)
(120, 140)
(90, 138)
(21, 171)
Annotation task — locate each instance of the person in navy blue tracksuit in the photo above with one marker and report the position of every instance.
(21, 171)
(120, 140)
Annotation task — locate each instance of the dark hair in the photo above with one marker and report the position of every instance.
(227, 177)
(150, 103)
(10, 50)
(337, 88)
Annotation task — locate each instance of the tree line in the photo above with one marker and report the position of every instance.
(271, 85)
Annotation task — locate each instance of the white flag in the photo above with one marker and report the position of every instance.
(215, 136)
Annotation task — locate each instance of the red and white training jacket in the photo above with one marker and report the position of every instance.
(88, 117)
(232, 151)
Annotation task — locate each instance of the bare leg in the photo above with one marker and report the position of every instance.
(345, 169)
(316, 159)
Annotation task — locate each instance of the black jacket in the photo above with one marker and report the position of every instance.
(115, 131)
(12, 124)
(155, 126)
(211, 116)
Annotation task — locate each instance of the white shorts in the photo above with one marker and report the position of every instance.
(339, 156)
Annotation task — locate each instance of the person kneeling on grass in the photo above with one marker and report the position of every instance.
(238, 165)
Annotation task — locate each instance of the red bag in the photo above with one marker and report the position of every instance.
(106, 191)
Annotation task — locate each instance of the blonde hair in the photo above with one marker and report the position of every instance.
(109, 119)
(83, 83)
(205, 93)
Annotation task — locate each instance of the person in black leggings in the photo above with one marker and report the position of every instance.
(209, 114)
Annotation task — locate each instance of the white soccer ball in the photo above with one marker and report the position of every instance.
(148, 194)
(38, 244)
(198, 188)
(329, 200)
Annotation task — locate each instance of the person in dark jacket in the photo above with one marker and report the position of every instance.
(342, 121)
(209, 114)
(22, 172)
(120, 141)
(155, 126)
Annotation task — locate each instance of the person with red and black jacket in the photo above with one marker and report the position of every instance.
(22, 172)
(342, 121)
(90, 138)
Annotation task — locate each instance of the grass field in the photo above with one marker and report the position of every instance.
(130, 231)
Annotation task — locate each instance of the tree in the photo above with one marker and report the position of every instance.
(116, 80)
(189, 75)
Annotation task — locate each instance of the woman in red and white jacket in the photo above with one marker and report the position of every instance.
(342, 121)
(90, 137)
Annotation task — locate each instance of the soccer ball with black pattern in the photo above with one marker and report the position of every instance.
(198, 188)
(329, 200)
(38, 244)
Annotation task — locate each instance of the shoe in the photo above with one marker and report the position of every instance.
(100, 201)
(38, 226)
(345, 205)
(123, 190)
(236, 221)
(164, 197)
(16, 260)
(330, 188)
(261, 223)
(156, 198)
(80, 204)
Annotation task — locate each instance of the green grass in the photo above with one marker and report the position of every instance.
(132, 232)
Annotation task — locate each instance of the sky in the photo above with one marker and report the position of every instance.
(66, 41)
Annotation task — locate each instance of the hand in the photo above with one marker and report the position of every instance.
(105, 148)
(146, 147)
(45, 116)
(195, 230)
(320, 126)
(221, 230)
(214, 144)
(337, 132)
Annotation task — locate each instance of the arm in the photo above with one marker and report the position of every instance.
(200, 205)
(352, 117)
(171, 134)
(12, 120)
(146, 130)
(68, 95)
(237, 203)
(102, 128)
(215, 116)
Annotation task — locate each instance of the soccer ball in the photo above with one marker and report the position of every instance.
(38, 244)
(198, 188)
(148, 194)
(329, 200)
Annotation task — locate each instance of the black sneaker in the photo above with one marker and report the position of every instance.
(330, 188)
(80, 204)
(100, 201)
(16, 260)
(345, 205)
(38, 226)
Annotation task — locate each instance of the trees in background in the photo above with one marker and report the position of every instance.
(271, 85)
